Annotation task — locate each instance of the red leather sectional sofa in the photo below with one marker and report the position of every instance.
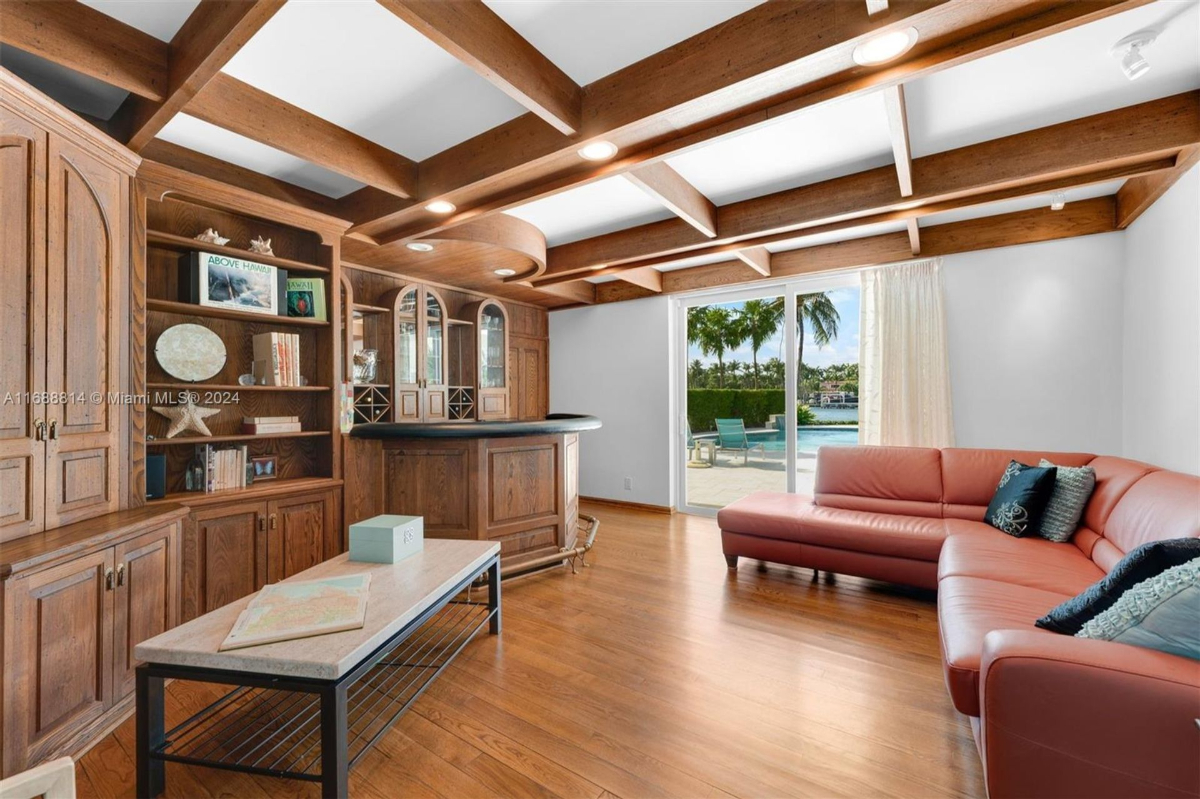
(1054, 715)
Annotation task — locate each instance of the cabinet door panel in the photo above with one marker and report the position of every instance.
(144, 600)
(435, 405)
(62, 658)
(85, 254)
(298, 528)
(22, 335)
(224, 556)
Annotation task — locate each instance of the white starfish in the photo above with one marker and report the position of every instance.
(187, 416)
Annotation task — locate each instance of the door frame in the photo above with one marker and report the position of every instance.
(789, 290)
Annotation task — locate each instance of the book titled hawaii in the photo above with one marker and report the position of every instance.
(306, 298)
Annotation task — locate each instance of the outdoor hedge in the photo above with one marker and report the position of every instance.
(751, 405)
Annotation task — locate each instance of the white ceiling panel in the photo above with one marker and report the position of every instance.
(588, 39)
(591, 210)
(800, 242)
(356, 64)
(211, 140)
(162, 19)
(1058, 78)
(1021, 204)
(816, 144)
(75, 90)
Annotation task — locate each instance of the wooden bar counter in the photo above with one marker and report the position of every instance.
(516, 483)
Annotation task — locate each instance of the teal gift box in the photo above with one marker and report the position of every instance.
(386, 539)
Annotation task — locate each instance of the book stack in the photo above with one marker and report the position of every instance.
(277, 359)
(259, 425)
(223, 468)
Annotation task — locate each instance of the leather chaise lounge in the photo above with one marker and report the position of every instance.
(1053, 715)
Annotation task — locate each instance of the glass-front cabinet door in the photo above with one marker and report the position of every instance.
(434, 373)
(406, 355)
(492, 360)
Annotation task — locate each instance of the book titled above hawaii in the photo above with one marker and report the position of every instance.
(289, 610)
(221, 281)
(306, 298)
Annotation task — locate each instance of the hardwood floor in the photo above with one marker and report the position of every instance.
(654, 674)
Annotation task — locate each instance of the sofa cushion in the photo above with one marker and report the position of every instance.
(1114, 476)
(795, 518)
(968, 609)
(969, 476)
(1020, 500)
(974, 549)
(905, 480)
(1073, 487)
(1159, 613)
(1161, 505)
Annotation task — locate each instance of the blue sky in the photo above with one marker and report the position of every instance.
(844, 349)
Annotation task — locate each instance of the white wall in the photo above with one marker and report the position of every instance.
(1162, 330)
(615, 361)
(1035, 342)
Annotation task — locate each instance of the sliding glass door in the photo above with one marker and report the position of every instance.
(745, 358)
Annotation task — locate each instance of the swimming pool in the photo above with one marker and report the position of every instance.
(808, 438)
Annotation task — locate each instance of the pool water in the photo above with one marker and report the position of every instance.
(808, 439)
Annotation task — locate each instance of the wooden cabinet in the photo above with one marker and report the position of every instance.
(530, 377)
(76, 601)
(419, 368)
(64, 201)
(232, 550)
(491, 357)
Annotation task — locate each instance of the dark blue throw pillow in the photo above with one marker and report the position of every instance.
(1020, 499)
(1143, 563)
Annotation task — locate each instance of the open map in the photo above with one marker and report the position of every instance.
(284, 611)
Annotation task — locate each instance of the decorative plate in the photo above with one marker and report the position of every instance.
(190, 352)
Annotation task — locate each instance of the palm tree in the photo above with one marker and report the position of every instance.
(714, 330)
(822, 316)
(760, 319)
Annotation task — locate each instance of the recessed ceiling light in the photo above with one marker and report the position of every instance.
(1129, 50)
(1058, 200)
(598, 151)
(419, 246)
(885, 47)
(440, 207)
(506, 272)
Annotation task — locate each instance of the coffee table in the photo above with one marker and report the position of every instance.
(309, 708)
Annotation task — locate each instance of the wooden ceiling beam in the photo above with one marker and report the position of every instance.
(1112, 140)
(1081, 218)
(876, 7)
(679, 197)
(780, 69)
(1139, 193)
(212, 34)
(647, 277)
(239, 107)
(897, 117)
(478, 37)
(757, 258)
(914, 235)
(81, 38)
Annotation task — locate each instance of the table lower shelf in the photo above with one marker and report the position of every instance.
(277, 731)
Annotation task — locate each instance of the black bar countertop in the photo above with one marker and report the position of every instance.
(553, 424)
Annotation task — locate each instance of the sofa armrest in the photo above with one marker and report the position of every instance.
(1064, 716)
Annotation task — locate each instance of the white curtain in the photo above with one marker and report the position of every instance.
(904, 379)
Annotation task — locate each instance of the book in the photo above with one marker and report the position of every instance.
(306, 298)
(267, 368)
(268, 419)
(277, 427)
(222, 281)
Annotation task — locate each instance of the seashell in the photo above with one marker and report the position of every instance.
(261, 246)
(211, 236)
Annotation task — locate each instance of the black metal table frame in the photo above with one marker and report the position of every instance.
(152, 737)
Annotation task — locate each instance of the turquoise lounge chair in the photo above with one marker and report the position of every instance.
(731, 435)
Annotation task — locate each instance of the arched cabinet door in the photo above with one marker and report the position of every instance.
(491, 360)
(435, 392)
(86, 246)
(406, 306)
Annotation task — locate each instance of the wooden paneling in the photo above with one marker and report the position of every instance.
(87, 257)
(433, 479)
(22, 335)
(530, 377)
(59, 627)
(224, 556)
(297, 531)
(522, 482)
(146, 598)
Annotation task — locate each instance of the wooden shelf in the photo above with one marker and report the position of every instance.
(263, 488)
(188, 309)
(155, 238)
(242, 437)
(460, 322)
(223, 387)
(370, 308)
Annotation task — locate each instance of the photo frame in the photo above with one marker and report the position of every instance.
(265, 467)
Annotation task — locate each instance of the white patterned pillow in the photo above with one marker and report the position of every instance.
(1158, 613)
(1073, 486)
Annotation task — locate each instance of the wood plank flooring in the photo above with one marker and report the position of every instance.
(653, 673)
